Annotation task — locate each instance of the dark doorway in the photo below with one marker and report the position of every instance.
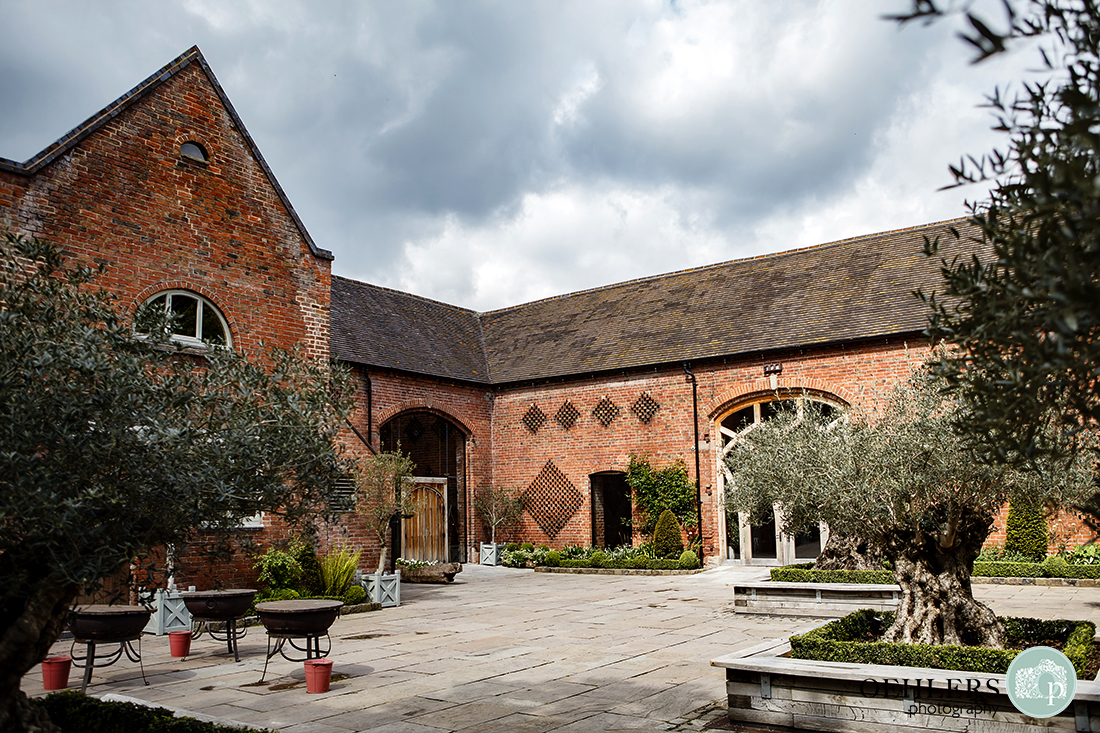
(610, 510)
(438, 449)
(763, 540)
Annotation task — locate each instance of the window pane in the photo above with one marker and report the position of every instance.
(185, 310)
(739, 420)
(212, 332)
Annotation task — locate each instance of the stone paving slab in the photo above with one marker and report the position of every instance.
(508, 650)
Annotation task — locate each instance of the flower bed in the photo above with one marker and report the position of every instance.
(622, 558)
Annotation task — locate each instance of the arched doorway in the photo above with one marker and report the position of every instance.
(745, 539)
(438, 448)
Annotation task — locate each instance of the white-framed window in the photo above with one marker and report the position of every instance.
(197, 321)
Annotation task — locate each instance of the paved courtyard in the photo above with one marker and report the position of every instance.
(505, 650)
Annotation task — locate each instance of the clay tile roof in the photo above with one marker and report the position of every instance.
(853, 289)
(386, 328)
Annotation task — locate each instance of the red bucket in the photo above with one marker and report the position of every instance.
(318, 674)
(179, 642)
(55, 672)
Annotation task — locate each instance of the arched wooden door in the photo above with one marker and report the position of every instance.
(424, 534)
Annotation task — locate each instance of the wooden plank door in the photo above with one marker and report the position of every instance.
(424, 534)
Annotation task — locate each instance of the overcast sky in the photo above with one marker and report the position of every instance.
(490, 153)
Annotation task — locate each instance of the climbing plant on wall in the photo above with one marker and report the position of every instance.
(655, 489)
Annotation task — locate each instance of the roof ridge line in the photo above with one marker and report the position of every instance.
(724, 263)
(409, 295)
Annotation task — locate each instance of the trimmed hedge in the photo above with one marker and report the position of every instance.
(639, 563)
(839, 641)
(803, 573)
(75, 712)
(1026, 531)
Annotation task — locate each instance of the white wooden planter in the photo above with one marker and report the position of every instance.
(169, 613)
(384, 589)
(490, 553)
(765, 688)
(820, 600)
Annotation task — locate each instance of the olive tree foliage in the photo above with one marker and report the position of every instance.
(383, 492)
(113, 445)
(905, 481)
(497, 506)
(1026, 318)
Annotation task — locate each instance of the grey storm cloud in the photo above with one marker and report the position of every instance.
(486, 153)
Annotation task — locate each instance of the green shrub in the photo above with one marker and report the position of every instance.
(639, 563)
(654, 490)
(599, 559)
(997, 553)
(354, 595)
(663, 564)
(804, 573)
(527, 547)
(576, 563)
(1026, 531)
(1084, 555)
(1007, 570)
(75, 712)
(689, 560)
(1055, 566)
(667, 541)
(513, 546)
(274, 594)
(338, 569)
(834, 642)
(310, 582)
(278, 569)
(553, 559)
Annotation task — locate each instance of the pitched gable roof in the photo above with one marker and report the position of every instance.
(852, 289)
(386, 328)
(193, 55)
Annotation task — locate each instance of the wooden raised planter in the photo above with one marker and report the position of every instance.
(763, 687)
(821, 600)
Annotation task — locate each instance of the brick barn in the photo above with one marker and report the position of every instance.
(166, 188)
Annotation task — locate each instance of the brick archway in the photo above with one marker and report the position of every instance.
(749, 391)
(455, 417)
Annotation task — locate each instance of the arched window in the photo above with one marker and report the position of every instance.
(196, 321)
(763, 542)
(194, 151)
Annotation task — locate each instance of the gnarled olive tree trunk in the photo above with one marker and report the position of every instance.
(848, 552)
(932, 565)
(30, 626)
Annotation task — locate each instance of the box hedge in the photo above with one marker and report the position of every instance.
(844, 640)
(75, 712)
(804, 573)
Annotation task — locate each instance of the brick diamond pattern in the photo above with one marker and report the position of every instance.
(567, 415)
(534, 419)
(605, 411)
(645, 407)
(552, 500)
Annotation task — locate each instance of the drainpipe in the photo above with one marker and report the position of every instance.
(695, 424)
(370, 409)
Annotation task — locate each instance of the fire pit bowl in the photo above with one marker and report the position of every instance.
(298, 618)
(218, 605)
(108, 623)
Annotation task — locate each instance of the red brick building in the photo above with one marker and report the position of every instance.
(166, 189)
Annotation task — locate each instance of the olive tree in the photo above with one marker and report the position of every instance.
(382, 484)
(114, 444)
(1026, 317)
(905, 481)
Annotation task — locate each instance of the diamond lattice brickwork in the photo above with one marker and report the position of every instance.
(534, 419)
(605, 411)
(552, 499)
(645, 407)
(567, 415)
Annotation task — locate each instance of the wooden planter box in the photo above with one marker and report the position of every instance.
(765, 688)
(384, 589)
(820, 600)
(490, 553)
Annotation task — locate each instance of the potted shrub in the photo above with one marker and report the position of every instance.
(496, 507)
(382, 481)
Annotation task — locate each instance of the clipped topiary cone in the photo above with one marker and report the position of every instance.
(667, 541)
